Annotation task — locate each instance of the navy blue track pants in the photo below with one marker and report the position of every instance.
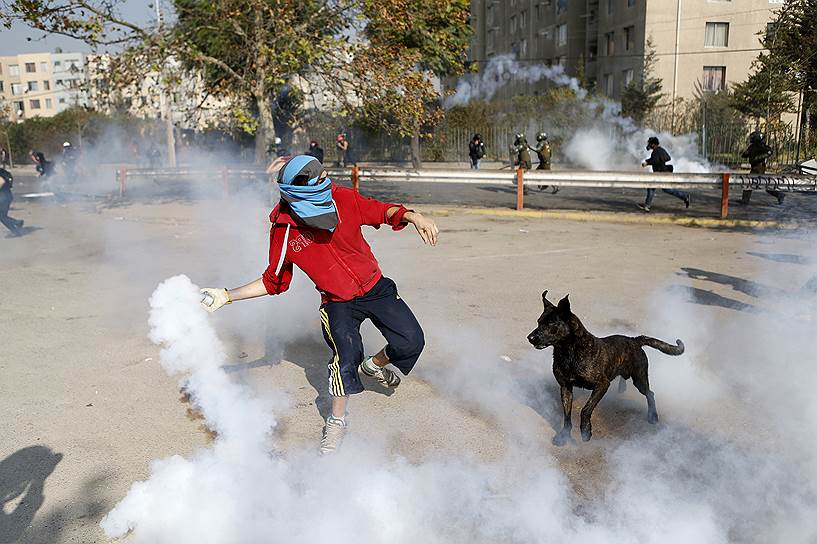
(341, 330)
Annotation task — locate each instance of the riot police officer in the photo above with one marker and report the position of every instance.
(520, 152)
(542, 148)
(757, 153)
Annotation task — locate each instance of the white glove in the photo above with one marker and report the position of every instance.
(213, 298)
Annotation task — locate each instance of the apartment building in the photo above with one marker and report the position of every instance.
(41, 84)
(700, 44)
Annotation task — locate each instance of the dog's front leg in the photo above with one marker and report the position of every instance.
(587, 411)
(567, 407)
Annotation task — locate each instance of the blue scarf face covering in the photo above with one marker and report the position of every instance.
(312, 203)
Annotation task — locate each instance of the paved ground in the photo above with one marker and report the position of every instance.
(85, 406)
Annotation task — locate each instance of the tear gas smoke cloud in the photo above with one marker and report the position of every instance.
(598, 137)
(697, 477)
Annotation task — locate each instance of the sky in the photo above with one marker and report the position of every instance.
(24, 39)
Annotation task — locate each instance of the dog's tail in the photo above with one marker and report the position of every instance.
(654, 343)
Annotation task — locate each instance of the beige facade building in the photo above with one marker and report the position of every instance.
(704, 44)
(41, 84)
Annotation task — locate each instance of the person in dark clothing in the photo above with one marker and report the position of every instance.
(4, 158)
(757, 153)
(43, 166)
(476, 150)
(69, 161)
(520, 152)
(658, 160)
(14, 225)
(543, 151)
(341, 147)
(315, 150)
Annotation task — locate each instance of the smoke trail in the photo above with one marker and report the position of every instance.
(676, 483)
(599, 137)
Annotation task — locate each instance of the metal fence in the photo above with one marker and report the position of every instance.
(229, 178)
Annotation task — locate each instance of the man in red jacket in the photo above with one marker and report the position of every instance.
(316, 227)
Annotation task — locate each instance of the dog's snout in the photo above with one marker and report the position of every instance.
(532, 337)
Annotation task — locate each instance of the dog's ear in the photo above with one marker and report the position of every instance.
(564, 306)
(545, 301)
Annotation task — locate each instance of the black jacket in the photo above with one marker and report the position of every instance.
(659, 159)
(316, 152)
(476, 150)
(8, 178)
(757, 153)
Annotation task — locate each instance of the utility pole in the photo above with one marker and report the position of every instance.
(675, 69)
(164, 103)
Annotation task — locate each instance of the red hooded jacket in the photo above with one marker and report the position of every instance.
(340, 263)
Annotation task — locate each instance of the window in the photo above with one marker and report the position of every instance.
(629, 37)
(523, 16)
(16, 89)
(62, 101)
(513, 24)
(630, 3)
(19, 107)
(43, 67)
(610, 44)
(627, 76)
(33, 86)
(57, 63)
(770, 31)
(610, 7)
(608, 84)
(14, 70)
(523, 48)
(48, 103)
(46, 85)
(31, 67)
(714, 78)
(561, 6)
(1, 87)
(717, 35)
(561, 35)
(35, 104)
(58, 83)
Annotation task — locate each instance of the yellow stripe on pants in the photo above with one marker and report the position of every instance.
(335, 381)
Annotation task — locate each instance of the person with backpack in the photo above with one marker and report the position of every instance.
(476, 151)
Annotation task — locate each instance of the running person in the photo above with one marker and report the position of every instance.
(15, 226)
(317, 227)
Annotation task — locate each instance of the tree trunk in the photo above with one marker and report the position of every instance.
(265, 133)
(416, 161)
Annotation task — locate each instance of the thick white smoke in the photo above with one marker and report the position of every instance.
(696, 477)
(600, 138)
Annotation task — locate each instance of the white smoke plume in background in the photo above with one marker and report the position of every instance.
(733, 459)
(598, 137)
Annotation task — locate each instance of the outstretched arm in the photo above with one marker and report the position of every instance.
(426, 227)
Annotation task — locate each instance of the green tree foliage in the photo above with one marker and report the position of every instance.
(407, 44)
(252, 50)
(369, 58)
(643, 93)
(790, 65)
(766, 93)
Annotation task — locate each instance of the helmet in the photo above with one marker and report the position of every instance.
(542, 136)
(477, 136)
(66, 144)
(652, 141)
(756, 137)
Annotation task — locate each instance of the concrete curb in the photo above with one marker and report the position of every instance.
(621, 217)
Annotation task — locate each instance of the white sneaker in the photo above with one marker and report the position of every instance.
(386, 377)
(333, 433)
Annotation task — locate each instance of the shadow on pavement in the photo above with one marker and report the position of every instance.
(747, 287)
(22, 480)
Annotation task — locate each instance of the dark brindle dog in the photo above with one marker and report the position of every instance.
(582, 360)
